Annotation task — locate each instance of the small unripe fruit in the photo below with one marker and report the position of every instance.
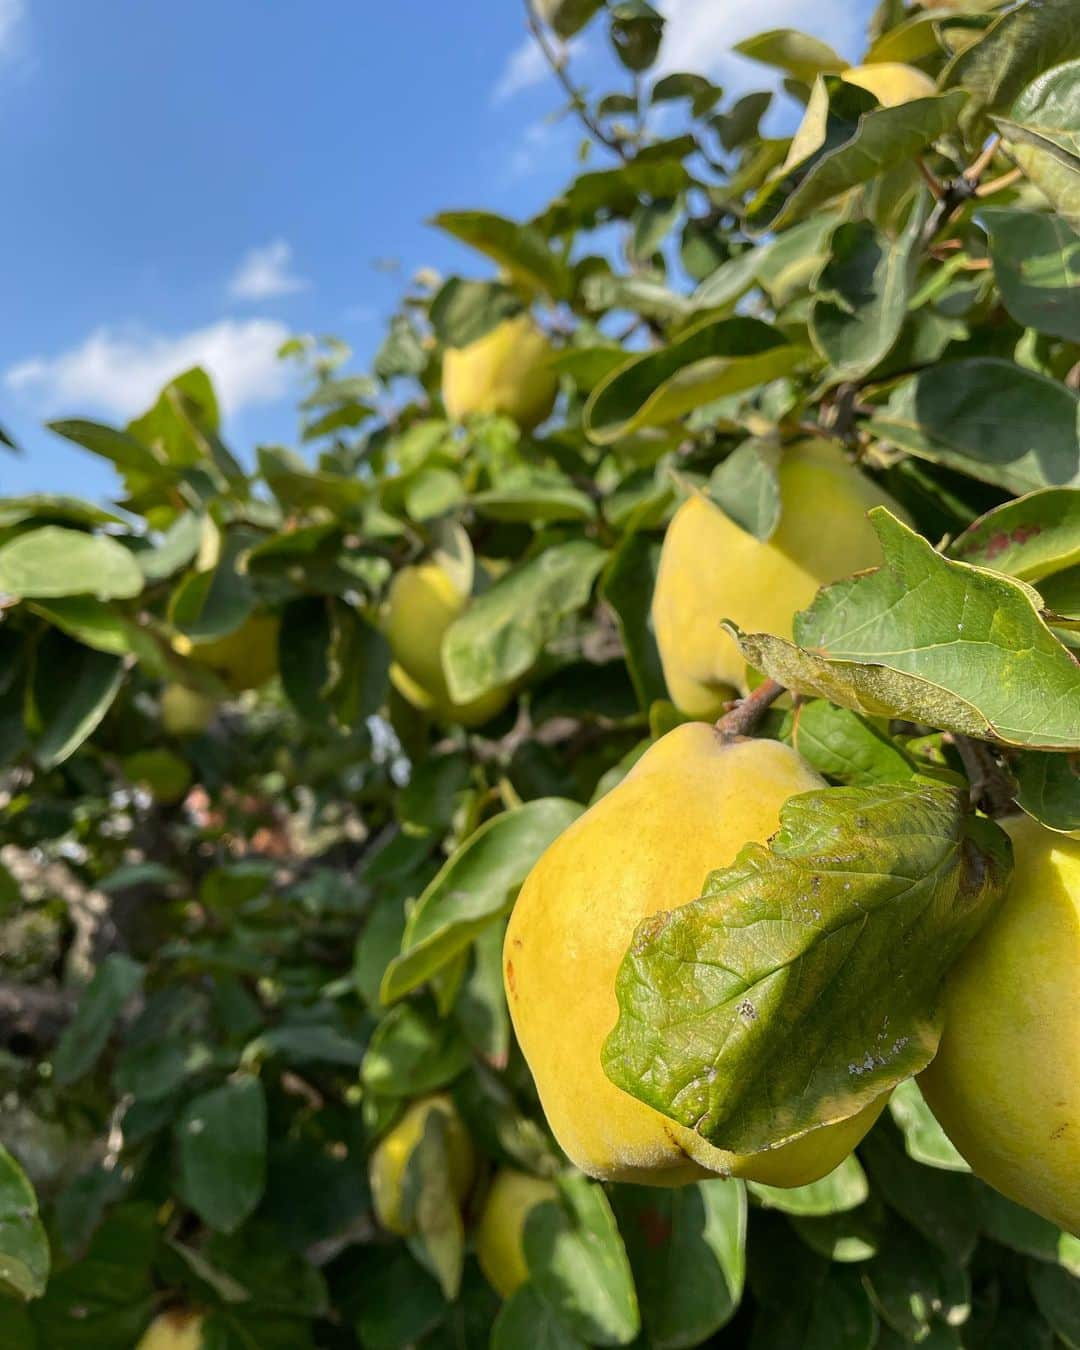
(505, 372)
(390, 1159)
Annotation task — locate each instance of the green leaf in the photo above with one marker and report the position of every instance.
(912, 1287)
(746, 487)
(1036, 261)
(851, 1235)
(304, 657)
(534, 496)
(1019, 45)
(503, 631)
(939, 1204)
(579, 1266)
(861, 294)
(717, 357)
(430, 1207)
(521, 249)
(53, 561)
(931, 641)
(1057, 1294)
(115, 981)
(687, 1251)
(924, 1138)
(400, 1301)
(567, 17)
(1030, 537)
(614, 192)
(842, 745)
(1043, 135)
(124, 450)
(882, 138)
(844, 1188)
(412, 1052)
(299, 488)
(24, 1248)
(221, 1137)
(463, 311)
(92, 622)
(526, 1322)
(627, 587)
(799, 54)
(635, 29)
(803, 1301)
(761, 1011)
(1049, 788)
(473, 887)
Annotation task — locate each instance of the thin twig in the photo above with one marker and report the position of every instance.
(743, 716)
(557, 63)
(930, 178)
(999, 184)
(992, 788)
(981, 163)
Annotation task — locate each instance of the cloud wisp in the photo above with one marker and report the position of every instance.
(121, 372)
(266, 273)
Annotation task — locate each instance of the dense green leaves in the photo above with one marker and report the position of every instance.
(53, 561)
(1037, 265)
(723, 1001)
(101, 1003)
(221, 1138)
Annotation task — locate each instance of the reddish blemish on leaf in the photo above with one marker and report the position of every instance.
(1005, 539)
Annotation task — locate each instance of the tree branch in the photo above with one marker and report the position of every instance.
(557, 62)
(743, 716)
(992, 788)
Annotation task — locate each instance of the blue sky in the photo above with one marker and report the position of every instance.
(196, 182)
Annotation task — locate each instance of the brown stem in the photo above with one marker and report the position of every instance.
(998, 184)
(557, 64)
(992, 789)
(743, 716)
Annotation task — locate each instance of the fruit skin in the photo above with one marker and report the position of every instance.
(422, 604)
(503, 372)
(245, 658)
(711, 569)
(390, 1159)
(891, 82)
(1005, 1085)
(184, 712)
(500, 1234)
(174, 1330)
(685, 809)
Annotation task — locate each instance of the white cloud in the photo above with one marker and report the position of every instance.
(265, 273)
(527, 66)
(11, 14)
(699, 34)
(121, 373)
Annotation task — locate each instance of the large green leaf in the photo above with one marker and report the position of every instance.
(115, 981)
(74, 687)
(746, 486)
(578, 1263)
(933, 641)
(627, 587)
(881, 139)
(990, 419)
(799, 54)
(526, 1322)
(124, 450)
(1036, 260)
(796, 990)
(1018, 46)
(687, 1252)
(1043, 135)
(842, 745)
(924, 1138)
(53, 561)
(472, 888)
(941, 1205)
(413, 1052)
(520, 249)
(504, 630)
(222, 1144)
(717, 357)
(24, 1248)
(861, 294)
(534, 495)
(1031, 537)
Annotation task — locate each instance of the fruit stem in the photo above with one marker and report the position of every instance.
(743, 716)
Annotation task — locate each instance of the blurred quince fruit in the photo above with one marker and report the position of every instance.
(391, 1157)
(506, 371)
(686, 808)
(422, 604)
(500, 1235)
(1006, 1081)
(891, 82)
(245, 658)
(185, 712)
(174, 1330)
(711, 569)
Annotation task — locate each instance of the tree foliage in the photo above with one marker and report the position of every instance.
(252, 895)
